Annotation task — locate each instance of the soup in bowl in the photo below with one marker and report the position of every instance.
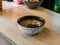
(31, 24)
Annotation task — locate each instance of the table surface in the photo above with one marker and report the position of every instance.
(3, 41)
(50, 35)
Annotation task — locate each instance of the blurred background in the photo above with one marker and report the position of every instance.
(53, 5)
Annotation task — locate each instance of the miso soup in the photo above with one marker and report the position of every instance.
(31, 22)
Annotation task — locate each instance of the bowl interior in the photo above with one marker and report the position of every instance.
(31, 17)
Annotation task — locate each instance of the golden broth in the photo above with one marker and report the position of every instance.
(30, 21)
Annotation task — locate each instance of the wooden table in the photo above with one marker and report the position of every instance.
(50, 35)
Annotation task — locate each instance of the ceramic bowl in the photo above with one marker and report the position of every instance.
(32, 5)
(31, 30)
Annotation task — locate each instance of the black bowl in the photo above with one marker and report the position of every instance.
(32, 5)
